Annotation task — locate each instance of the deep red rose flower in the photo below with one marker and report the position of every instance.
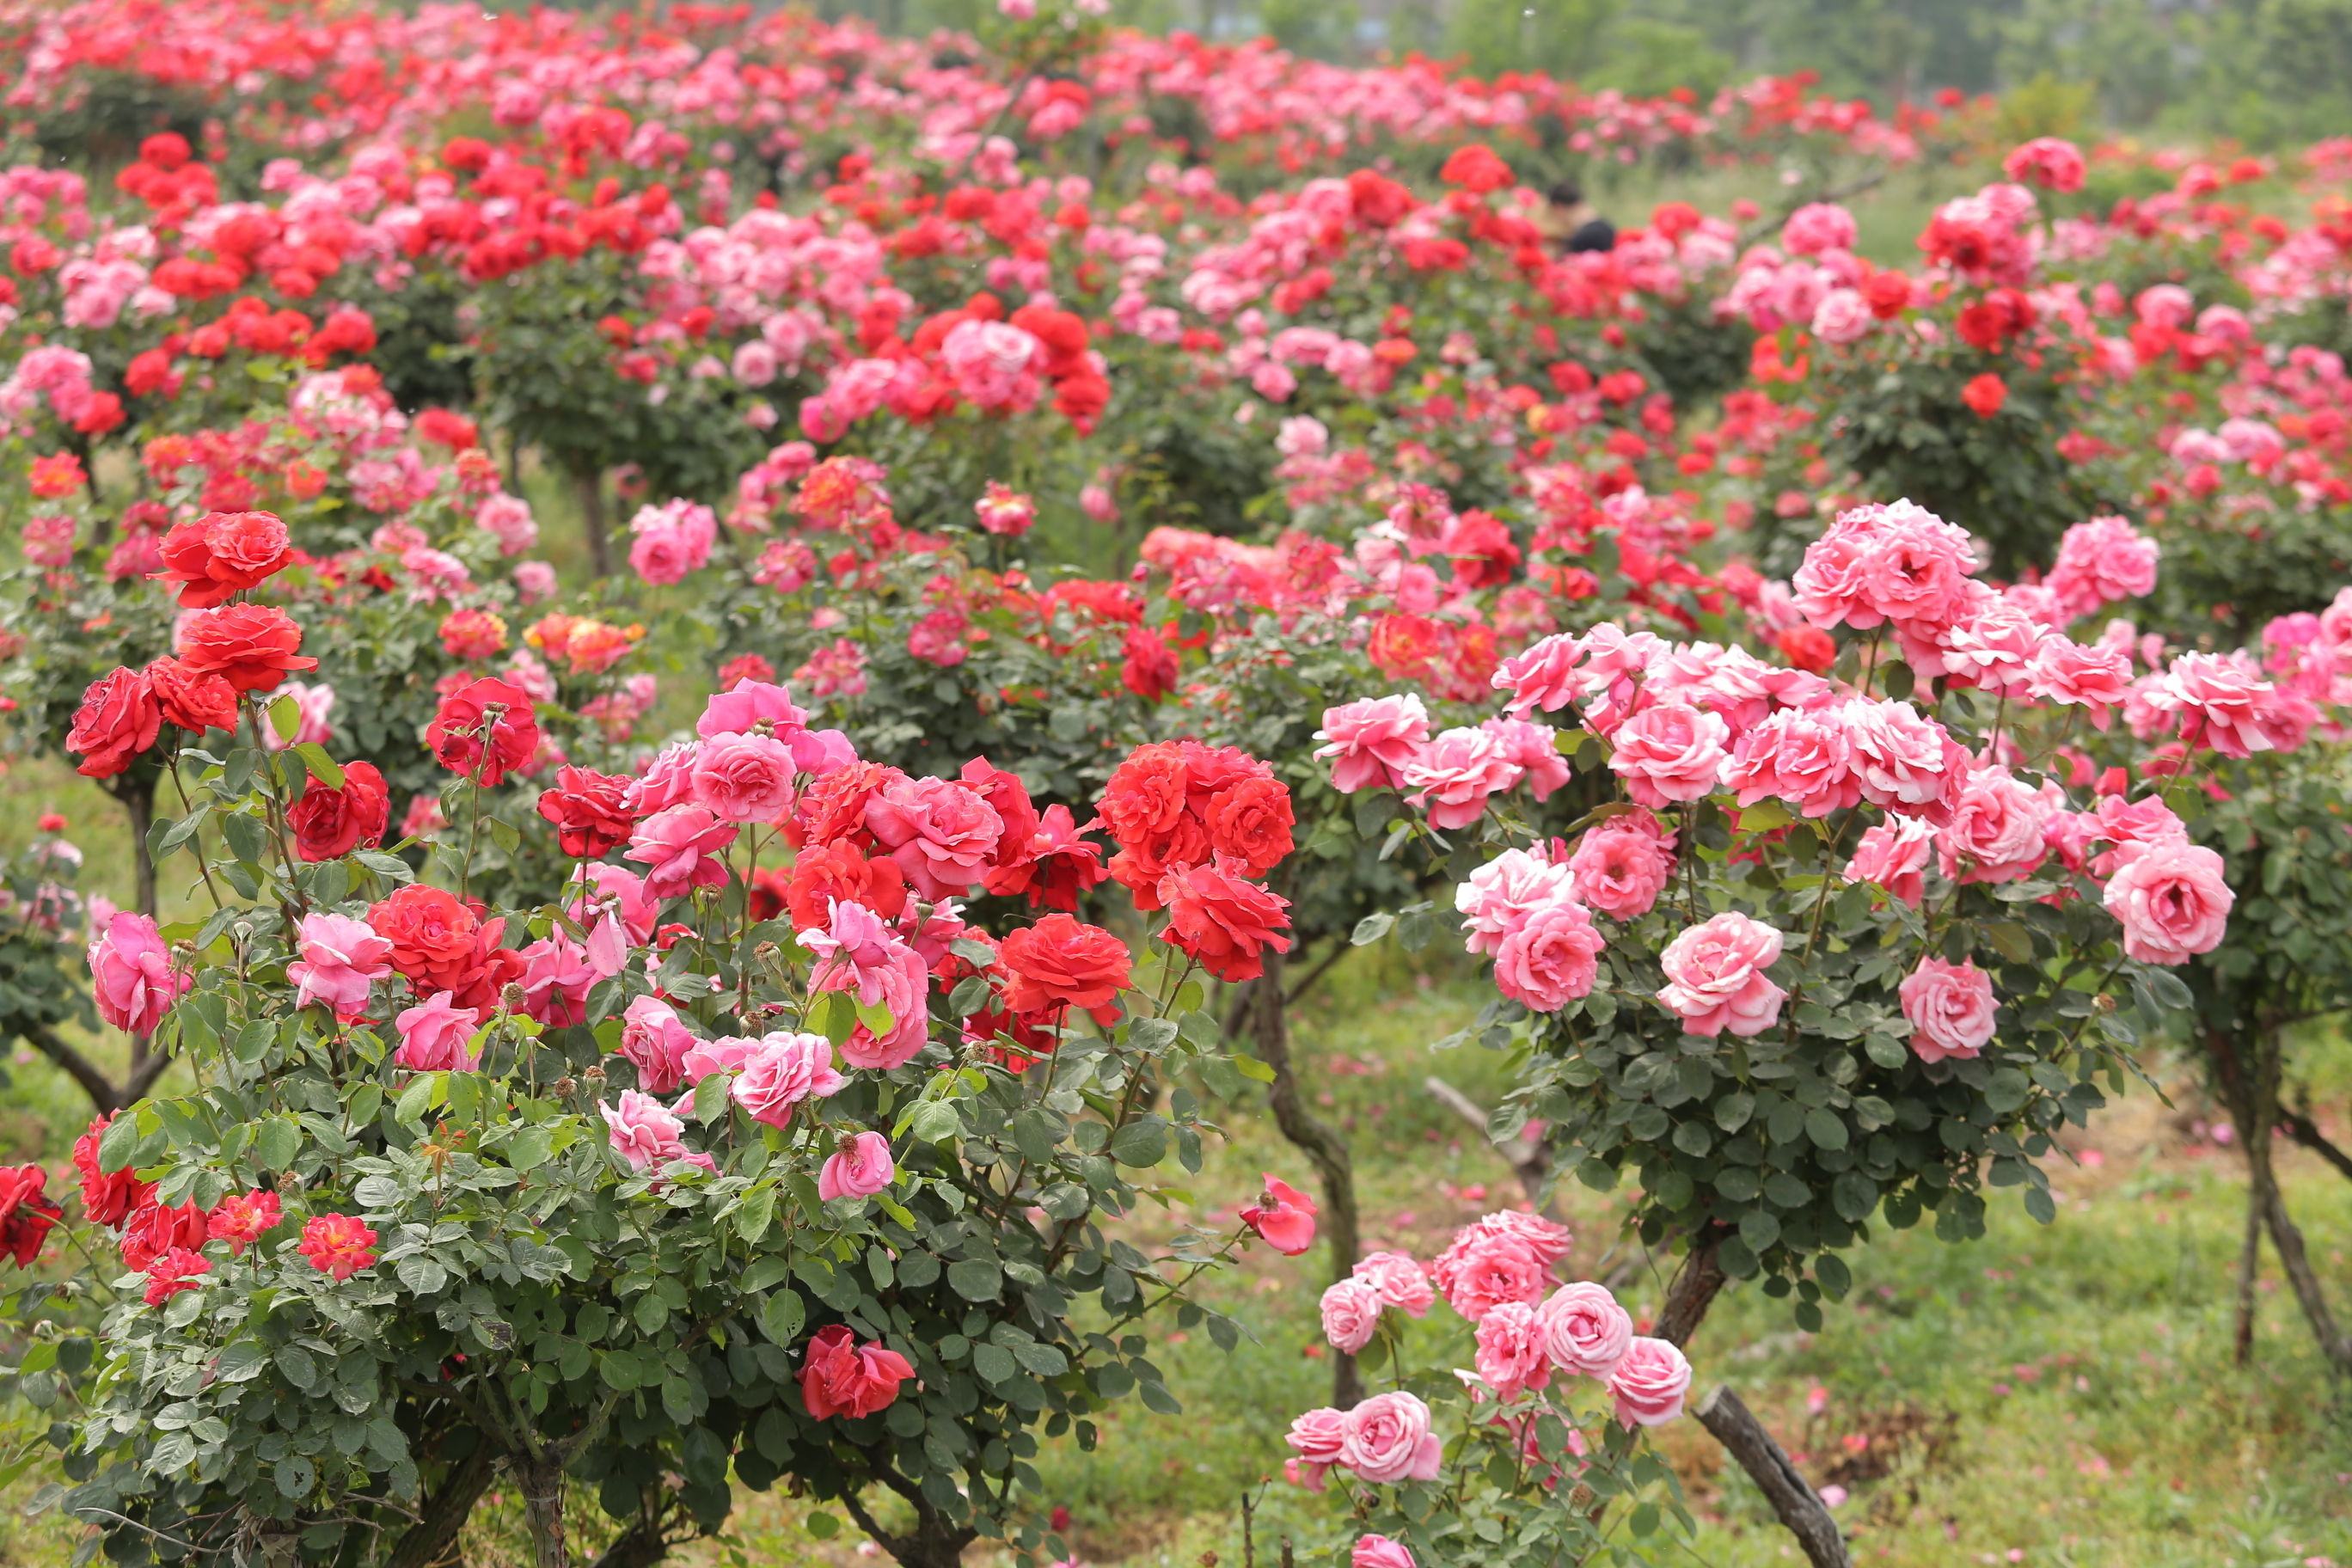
(1249, 820)
(223, 554)
(26, 1214)
(826, 872)
(153, 1230)
(1062, 963)
(1061, 864)
(119, 718)
(190, 700)
(840, 1377)
(109, 1198)
(1475, 168)
(251, 647)
(767, 892)
(329, 822)
(456, 736)
(1224, 921)
(590, 810)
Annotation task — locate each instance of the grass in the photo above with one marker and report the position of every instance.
(2063, 1395)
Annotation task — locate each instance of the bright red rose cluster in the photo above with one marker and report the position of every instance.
(1194, 825)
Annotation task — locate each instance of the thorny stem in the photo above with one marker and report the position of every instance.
(287, 914)
(491, 714)
(186, 808)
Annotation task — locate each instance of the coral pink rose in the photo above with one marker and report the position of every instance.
(1499, 896)
(1805, 759)
(2094, 676)
(842, 1378)
(1387, 1439)
(860, 1168)
(1583, 1330)
(1510, 1355)
(1670, 753)
(1952, 1007)
(1995, 834)
(2172, 901)
(1649, 1382)
(134, 983)
(1543, 676)
(1284, 1216)
(1621, 866)
(1551, 959)
(1401, 1282)
(1351, 1314)
(943, 833)
(435, 1035)
(1370, 742)
(680, 850)
(1483, 1270)
(1318, 1437)
(1716, 978)
(1455, 772)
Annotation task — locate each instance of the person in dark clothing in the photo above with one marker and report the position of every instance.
(1570, 224)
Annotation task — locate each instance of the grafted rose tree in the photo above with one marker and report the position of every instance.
(703, 1166)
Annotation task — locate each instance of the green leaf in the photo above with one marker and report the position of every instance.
(759, 1208)
(710, 1098)
(295, 1476)
(531, 1148)
(117, 1143)
(975, 1278)
(1252, 1068)
(782, 1318)
(1370, 929)
(285, 718)
(245, 836)
(1826, 1128)
(417, 1100)
(323, 768)
(994, 1362)
(821, 1526)
(1142, 1142)
(2012, 941)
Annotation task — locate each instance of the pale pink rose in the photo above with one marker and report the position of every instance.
(1535, 750)
(1455, 773)
(680, 849)
(1380, 1552)
(1716, 977)
(1995, 834)
(534, 581)
(1351, 1314)
(744, 778)
(1401, 1282)
(1893, 854)
(783, 1071)
(1804, 759)
(672, 540)
(1319, 1436)
(1370, 742)
(435, 1035)
(858, 951)
(1543, 677)
(1387, 1439)
(1584, 1331)
(646, 1133)
(2131, 827)
(1843, 317)
(655, 1040)
(1670, 753)
(2172, 900)
(943, 833)
(1817, 226)
(860, 1168)
(134, 983)
(2096, 675)
(1621, 866)
(1952, 1007)
(704, 1057)
(2101, 562)
(1550, 959)
(1499, 896)
(1098, 502)
(1907, 763)
(1649, 1382)
(507, 519)
(1483, 1269)
(1510, 1355)
(341, 957)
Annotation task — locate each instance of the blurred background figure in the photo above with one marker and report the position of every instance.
(1570, 222)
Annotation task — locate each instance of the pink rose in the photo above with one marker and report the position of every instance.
(2172, 901)
(1535, 750)
(1551, 959)
(1401, 1282)
(130, 968)
(1455, 772)
(1380, 1552)
(737, 711)
(1583, 1330)
(1907, 763)
(1543, 677)
(1499, 896)
(1319, 1436)
(1510, 1355)
(2130, 826)
(1952, 1007)
(655, 1040)
(680, 850)
(2097, 676)
(1483, 1270)
(901, 1044)
(1621, 866)
(556, 974)
(435, 1035)
(1805, 759)
(1370, 742)
(341, 957)
(1387, 1439)
(1649, 1382)
(645, 1133)
(704, 1057)
(861, 952)
(744, 778)
(1670, 753)
(1351, 1314)
(783, 1069)
(860, 1168)
(1995, 834)
(1284, 1216)
(1716, 977)
(1893, 854)
(2221, 699)
(1916, 565)
(943, 833)
(2101, 562)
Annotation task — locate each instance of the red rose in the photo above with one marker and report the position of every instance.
(223, 554)
(330, 823)
(1009, 863)
(766, 893)
(118, 719)
(432, 936)
(26, 1214)
(251, 647)
(1150, 670)
(1250, 821)
(834, 806)
(489, 970)
(106, 1199)
(153, 1230)
(1061, 865)
(590, 810)
(826, 872)
(1223, 920)
(840, 1377)
(1061, 962)
(190, 701)
(1142, 864)
(456, 737)
(1145, 797)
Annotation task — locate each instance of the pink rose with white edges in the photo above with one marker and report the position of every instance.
(1510, 1356)
(1351, 1314)
(1716, 978)
(1387, 1439)
(1951, 1006)
(1893, 854)
(1455, 773)
(1584, 1331)
(1543, 676)
(1671, 753)
(1649, 1382)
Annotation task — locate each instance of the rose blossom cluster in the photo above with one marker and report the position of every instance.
(1383, 743)
(1196, 826)
(1497, 1274)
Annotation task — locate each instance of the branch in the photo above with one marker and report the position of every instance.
(1796, 1504)
(1527, 1156)
(2304, 1131)
(83, 1072)
(1340, 948)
